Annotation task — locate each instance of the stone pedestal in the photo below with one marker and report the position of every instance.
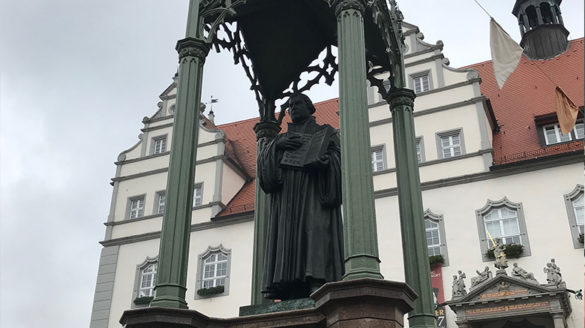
(359, 303)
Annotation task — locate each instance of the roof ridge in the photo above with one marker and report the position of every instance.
(236, 122)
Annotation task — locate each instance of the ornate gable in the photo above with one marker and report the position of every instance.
(506, 297)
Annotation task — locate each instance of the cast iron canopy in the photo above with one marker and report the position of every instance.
(283, 37)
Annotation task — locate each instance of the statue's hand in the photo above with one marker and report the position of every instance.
(321, 162)
(289, 142)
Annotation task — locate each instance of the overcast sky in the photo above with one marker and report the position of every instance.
(76, 79)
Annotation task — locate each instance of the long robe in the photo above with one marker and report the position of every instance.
(305, 233)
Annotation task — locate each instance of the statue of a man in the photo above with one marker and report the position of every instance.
(459, 285)
(481, 277)
(523, 274)
(305, 234)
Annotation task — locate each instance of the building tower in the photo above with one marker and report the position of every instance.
(541, 25)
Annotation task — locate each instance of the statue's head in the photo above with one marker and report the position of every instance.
(300, 107)
(515, 264)
(454, 277)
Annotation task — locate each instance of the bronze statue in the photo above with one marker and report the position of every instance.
(301, 170)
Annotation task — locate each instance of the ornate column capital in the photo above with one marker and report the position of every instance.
(341, 5)
(192, 47)
(400, 97)
(266, 129)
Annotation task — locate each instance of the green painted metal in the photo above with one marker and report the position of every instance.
(416, 264)
(265, 131)
(174, 244)
(360, 236)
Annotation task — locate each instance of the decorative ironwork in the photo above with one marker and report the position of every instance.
(325, 69)
(229, 37)
(218, 10)
(389, 21)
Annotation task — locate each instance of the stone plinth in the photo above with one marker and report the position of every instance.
(356, 303)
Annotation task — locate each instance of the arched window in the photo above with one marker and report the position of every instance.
(574, 202)
(502, 220)
(145, 282)
(213, 272)
(532, 18)
(547, 15)
(435, 235)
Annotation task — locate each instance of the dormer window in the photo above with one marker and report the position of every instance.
(553, 135)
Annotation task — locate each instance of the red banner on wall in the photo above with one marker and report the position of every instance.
(438, 295)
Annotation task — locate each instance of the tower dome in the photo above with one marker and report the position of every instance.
(541, 25)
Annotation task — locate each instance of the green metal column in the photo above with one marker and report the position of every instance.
(359, 228)
(174, 244)
(414, 243)
(265, 131)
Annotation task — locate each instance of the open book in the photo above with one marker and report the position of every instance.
(314, 146)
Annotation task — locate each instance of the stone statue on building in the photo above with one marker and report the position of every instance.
(553, 274)
(523, 274)
(482, 276)
(301, 171)
(500, 256)
(459, 285)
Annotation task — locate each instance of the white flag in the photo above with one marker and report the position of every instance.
(506, 53)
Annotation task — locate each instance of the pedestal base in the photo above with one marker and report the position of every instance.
(357, 303)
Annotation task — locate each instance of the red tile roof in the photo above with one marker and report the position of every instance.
(241, 147)
(530, 92)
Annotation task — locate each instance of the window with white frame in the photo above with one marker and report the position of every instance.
(578, 209)
(159, 145)
(502, 223)
(421, 83)
(575, 213)
(378, 162)
(450, 144)
(435, 234)
(502, 220)
(147, 280)
(213, 270)
(579, 131)
(433, 237)
(553, 134)
(136, 207)
(161, 198)
(197, 195)
(419, 150)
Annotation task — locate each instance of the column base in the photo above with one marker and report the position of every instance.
(361, 303)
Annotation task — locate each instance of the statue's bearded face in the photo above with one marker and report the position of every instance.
(299, 111)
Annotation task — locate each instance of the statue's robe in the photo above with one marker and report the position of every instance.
(305, 233)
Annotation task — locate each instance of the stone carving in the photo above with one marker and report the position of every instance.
(523, 274)
(553, 274)
(459, 285)
(482, 276)
(305, 237)
(501, 260)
